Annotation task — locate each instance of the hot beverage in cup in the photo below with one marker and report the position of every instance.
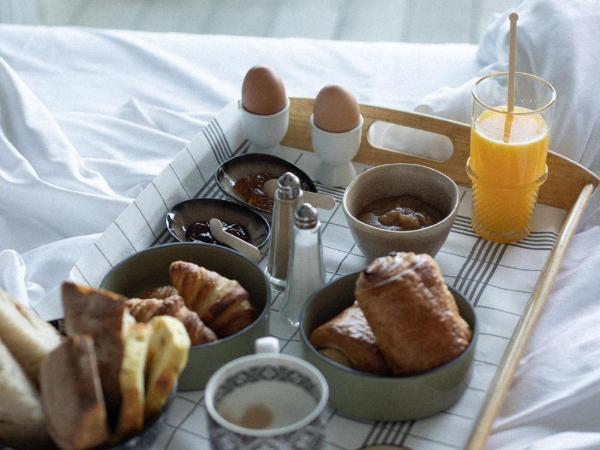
(267, 399)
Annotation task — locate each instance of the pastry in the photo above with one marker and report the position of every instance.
(348, 340)
(72, 395)
(412, 313)
(145, 309)
(221, 303)
(167, 356)
(101, 314)
(161, 292)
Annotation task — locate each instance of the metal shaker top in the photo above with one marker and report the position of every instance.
(306, 216)
(288, 186)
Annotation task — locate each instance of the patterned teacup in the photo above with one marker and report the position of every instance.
(267, 401)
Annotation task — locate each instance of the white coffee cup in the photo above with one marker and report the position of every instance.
(265, 131)
(267, 398)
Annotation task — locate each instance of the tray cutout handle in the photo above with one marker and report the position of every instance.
(565, 181)
(410, 141)
(458, 133)
(299, 136)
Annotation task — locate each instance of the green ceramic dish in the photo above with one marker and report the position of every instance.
(367, 396)
(150, 268)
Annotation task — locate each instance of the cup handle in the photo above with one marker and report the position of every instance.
(267, 344)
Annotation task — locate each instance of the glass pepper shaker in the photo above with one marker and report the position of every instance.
(288, 197)
(306, 272)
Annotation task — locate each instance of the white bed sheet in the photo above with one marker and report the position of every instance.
(89, 117)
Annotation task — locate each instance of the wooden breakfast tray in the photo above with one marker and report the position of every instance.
(191, 174)
(569, 186)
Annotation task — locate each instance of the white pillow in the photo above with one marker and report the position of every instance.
(558, 40)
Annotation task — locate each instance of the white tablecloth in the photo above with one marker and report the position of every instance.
(88, 118)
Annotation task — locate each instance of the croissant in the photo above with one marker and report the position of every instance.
(145, 309)
(221, 303)
(161, 292)
(348, 340)
(412, 313)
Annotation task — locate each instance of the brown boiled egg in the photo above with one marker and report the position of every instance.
(336, 110)
(263, 91)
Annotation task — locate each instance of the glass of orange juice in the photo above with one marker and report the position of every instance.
(507, 163)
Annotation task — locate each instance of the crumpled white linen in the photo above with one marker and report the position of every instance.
(554, 401)
(52, 205)
(558, 41)
(89, 117)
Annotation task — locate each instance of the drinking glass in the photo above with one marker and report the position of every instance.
(507, 163)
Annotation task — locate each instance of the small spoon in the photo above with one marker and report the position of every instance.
(323, 201)
(246, 249)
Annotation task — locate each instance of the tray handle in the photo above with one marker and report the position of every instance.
(566, 178)
(459, 134)
(512, 356)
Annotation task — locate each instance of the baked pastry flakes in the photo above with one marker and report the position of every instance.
(221, 303)
(412, 313)
(348, 340)
(145, 309)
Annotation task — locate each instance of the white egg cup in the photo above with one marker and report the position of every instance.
(336, 150)
(265, 131)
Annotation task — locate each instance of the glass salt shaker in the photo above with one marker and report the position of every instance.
(288, 197)
(306, 272)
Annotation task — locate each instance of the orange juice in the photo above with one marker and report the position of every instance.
(506, 172)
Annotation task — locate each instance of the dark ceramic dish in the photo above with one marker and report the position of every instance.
(376, 397)
(184, 214)
(150, 268)
(253, 163)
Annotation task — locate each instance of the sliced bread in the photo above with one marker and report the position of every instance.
(28, 337)
(72, 395)
(101, 314)
(22, 422)
(167, 356)
(131, 417)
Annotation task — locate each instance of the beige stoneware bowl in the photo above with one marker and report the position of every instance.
(391, 180)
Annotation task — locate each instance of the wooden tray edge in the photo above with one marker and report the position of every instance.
(503, 378)
(566, 178)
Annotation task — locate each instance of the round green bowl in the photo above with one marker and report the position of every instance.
(150, 268)
(388, 398)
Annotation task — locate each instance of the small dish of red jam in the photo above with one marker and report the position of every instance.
(188, 221)
(200, 231)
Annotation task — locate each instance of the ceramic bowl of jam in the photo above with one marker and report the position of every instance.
(400, 207)
(242, 178)
(188, 221)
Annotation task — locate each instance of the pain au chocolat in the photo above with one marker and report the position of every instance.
(348, 340)
(412, 313)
